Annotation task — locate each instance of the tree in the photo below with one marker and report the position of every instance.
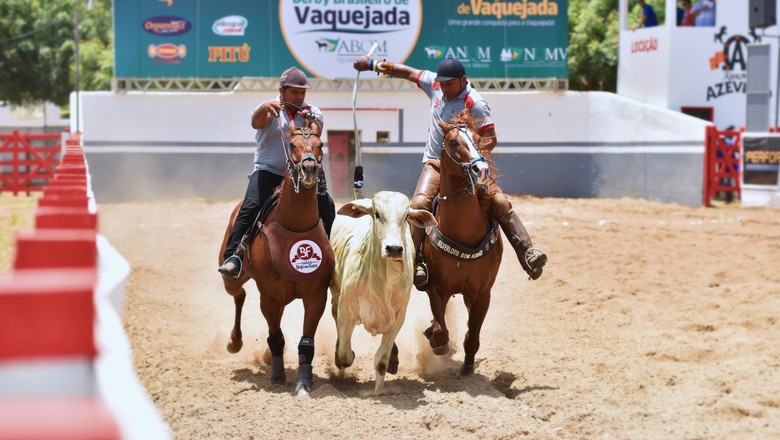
(37, 49)
(593, 44)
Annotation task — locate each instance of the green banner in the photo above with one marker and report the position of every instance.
(260, 38)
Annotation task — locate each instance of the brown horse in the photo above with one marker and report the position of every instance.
(463, 252)
(289, 259)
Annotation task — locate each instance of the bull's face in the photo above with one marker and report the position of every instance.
(391, 211)
(392, 219)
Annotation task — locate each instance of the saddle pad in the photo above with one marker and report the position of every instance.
(300, 256)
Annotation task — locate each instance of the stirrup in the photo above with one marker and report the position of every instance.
(539, 262)
(231, 267)
(421, 285)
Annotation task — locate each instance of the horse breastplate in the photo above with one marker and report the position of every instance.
(456, 250)
(300, 256)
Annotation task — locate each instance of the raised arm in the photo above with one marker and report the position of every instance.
(396, 70)
(263, 112)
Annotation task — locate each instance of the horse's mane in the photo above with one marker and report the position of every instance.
(464, 117)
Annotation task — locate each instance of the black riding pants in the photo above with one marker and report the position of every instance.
(260, 188)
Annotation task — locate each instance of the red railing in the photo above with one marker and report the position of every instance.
(722, 163)
(28, 160)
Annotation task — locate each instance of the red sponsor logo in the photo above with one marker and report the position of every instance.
(167, 52)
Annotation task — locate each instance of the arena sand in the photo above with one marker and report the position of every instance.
(651, 321)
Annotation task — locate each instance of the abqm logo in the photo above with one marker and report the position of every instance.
(326, 37)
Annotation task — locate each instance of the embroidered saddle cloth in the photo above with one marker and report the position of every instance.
(300, 256)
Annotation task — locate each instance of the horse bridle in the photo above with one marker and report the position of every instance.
(469, 168)
(294, 169)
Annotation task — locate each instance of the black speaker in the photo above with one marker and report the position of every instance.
(763, 13)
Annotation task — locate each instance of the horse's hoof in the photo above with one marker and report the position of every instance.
(467, 370)
(428, 332)
(302, 390)
(235, 346)
(278, 380)
(392, 367)
(441, 350)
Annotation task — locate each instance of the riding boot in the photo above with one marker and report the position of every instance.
(420, 268)
(427, 188)
(231, 267)
(518, 237)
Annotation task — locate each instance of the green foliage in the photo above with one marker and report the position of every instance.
(37, 49)
(593, 44)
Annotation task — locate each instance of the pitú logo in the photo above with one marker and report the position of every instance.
(231, 25)
(167, 25)
(167, 52)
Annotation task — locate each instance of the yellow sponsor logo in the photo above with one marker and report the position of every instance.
(499, 9)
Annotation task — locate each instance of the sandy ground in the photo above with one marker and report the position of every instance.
(651, 321)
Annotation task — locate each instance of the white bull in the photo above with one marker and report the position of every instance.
(372, 280)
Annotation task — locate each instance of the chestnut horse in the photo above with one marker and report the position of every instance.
(293, 235)
(463, 252)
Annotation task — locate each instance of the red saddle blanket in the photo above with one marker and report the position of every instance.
(300, 256)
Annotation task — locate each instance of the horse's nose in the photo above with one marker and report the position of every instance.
(480, 173)
(394, 251)
(309, 165)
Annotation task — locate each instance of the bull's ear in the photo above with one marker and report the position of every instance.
(422, 218)
(357, 208)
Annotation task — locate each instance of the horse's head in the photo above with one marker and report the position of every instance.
(304, 158)
(461, 148)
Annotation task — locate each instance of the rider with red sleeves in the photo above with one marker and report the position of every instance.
(450, 92)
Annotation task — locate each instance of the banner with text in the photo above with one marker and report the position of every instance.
(261, 38)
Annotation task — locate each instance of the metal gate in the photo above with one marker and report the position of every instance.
(28, 160)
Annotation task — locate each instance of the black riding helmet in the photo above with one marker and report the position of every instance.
(450, 68)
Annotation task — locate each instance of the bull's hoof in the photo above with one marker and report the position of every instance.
(467, 370)
(342, 364)
(234, 346)
(392, 366)
(428, 332)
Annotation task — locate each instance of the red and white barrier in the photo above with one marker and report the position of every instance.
(65, 366)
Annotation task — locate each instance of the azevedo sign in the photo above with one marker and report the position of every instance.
(326, 36)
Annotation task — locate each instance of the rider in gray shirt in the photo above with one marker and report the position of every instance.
(450, 92)
(271, 119)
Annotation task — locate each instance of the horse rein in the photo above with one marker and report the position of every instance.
(470, 188)
(292, 167)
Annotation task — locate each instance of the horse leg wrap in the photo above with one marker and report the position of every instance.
(305, 356)
(276, 344)
(278, 376)
(306, 350)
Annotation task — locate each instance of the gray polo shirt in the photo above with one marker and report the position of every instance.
(443, 110)
(269, 149)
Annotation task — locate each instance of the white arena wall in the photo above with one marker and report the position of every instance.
(151, 145)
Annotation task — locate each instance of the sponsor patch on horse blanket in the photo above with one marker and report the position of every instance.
(300, 256)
